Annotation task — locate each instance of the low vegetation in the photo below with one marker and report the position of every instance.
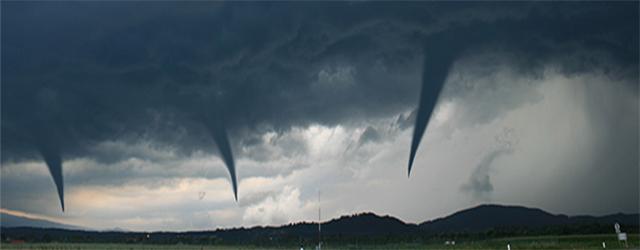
(532, 242)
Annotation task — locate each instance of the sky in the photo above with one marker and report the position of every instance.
(143, 106)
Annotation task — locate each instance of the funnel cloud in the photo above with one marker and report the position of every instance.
(52, 158)
(219, 134)
(437, 61)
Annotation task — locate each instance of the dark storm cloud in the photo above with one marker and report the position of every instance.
(185, 74)
(537, 39)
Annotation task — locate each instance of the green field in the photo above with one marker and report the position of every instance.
(540, 242)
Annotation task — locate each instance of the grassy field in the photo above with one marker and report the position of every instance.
(541, 242)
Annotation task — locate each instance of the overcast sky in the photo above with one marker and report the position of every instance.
(539, 108)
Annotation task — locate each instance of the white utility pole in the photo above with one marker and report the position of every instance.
(319, 223)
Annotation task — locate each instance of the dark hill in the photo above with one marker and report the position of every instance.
(368, 224)
(485, 217)
(489, 216)
(364, 224)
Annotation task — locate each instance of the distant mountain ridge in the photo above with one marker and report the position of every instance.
(480, 219)
(472, 220)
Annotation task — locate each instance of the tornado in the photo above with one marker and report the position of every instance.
(218, 131)
(436, 64)
(51, 156)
